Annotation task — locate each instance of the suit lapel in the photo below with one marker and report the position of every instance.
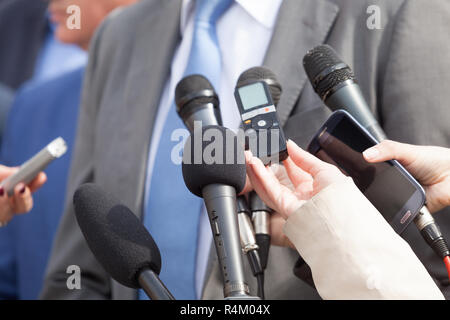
(150, 62)
(301, 25)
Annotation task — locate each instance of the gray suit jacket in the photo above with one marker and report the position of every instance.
(403, 70)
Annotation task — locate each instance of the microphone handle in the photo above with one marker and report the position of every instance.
(348, 96)
(207, 114)
(220, 203)
(261, 222)
(153, 286)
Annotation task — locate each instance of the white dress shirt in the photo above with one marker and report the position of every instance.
(244, 32)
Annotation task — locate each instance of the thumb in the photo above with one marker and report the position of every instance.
(5, 172)
(391, 150)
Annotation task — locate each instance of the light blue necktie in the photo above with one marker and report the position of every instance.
(172, 212)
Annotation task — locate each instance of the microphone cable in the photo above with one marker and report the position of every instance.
(260, 279)
(447, 265)
(257, 270)
(248, 243)
(432, 234)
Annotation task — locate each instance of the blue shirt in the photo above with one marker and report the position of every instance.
(41, 112)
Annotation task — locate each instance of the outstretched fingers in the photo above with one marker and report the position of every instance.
(304, 160)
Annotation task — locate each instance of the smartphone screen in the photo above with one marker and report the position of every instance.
(387, 185)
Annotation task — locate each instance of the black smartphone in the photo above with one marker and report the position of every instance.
(387, 185)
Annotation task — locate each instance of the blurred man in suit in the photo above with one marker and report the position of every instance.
(20, 49)
(137, 59)
(6, 97)
(41, 112)
(29, 48)
(30, 51)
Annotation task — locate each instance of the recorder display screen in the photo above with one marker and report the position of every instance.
(387, 188)
(253, 96)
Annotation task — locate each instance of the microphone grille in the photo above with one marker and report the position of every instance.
(324, 87)
(262, 74)
(192, 90)
(325, 69)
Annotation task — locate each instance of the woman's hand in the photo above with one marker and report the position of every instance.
(286, 188)
(429, 165)
(305, 176)
(21, 201)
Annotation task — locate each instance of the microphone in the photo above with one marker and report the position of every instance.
(217, 178)
(335, 83)
(197, 100)
(261, 212)
(119, 241)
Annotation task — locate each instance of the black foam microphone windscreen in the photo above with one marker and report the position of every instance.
(213, 155)
(115, 235)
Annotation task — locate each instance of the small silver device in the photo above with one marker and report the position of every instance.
(30, 169)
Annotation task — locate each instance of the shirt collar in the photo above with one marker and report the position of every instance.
(263, 11)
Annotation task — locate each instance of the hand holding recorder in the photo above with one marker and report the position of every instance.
(17, 184)
(21, 201)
